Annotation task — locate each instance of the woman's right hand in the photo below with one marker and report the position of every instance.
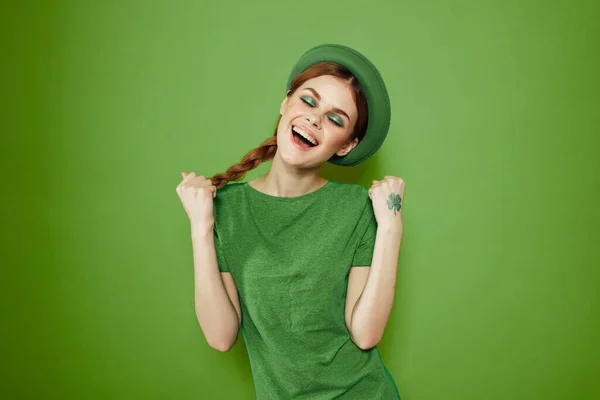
(197, 194)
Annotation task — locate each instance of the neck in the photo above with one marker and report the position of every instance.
(286, 181)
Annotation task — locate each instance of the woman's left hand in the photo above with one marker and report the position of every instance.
(387, 197)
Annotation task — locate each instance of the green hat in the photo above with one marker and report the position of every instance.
(378, 101)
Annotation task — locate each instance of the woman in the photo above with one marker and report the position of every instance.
(305, 266)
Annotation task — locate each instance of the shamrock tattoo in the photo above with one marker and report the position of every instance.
(394, 202)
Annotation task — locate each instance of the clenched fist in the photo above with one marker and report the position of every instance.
(387, 196)
(197, 194)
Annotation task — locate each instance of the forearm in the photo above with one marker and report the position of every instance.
(216, 315)
(373, 308)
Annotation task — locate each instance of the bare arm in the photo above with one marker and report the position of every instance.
(368, 316)
(215, 295)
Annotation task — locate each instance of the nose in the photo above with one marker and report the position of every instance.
(314, 120)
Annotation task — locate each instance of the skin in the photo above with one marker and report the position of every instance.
(294, 172)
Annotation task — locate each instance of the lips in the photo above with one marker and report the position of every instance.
(299, 143)
(310, 132)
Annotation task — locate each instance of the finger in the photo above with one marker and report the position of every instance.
(186, 180)
(373, 186)
(184, 175)
(189, 176)
(393, 179)
(201, 183)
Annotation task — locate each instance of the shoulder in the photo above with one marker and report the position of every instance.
(229, 194)
(230, 189)
(350, 193)
(351, 197)
(349, 187)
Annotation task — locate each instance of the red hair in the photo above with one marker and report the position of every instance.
(267, 149)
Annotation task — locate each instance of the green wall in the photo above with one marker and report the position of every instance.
(494, 129)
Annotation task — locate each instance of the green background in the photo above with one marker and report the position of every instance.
(494, 129)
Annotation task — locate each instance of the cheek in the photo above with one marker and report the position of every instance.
(339, 142)
(297, 106)
(334, 138)
(295, 109)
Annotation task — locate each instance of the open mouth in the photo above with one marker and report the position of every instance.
(300, 140)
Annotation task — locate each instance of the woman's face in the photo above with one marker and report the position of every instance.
(324, 109)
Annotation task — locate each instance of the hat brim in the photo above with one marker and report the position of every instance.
(378, 101)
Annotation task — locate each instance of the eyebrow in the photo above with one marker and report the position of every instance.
(337, 110)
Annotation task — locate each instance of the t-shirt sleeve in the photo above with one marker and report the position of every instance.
(223, 267)
(366, 245)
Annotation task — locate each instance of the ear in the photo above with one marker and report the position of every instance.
(284, 103)
(347, 147)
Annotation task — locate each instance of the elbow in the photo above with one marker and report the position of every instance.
(366, 343)
(219, 337)
(224, 342)
(223, 346)
(221, 341)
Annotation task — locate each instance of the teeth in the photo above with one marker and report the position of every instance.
(304, 135)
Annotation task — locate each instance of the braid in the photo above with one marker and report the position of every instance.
(265, 152)
(267, 149)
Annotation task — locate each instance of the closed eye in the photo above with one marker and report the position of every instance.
(309, 100)
(332, 117)
(336, 120)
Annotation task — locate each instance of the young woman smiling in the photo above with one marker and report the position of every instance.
(306, 267)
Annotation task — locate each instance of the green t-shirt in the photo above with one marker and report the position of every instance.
(290, 258)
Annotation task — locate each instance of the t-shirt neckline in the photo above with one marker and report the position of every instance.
(259, 194)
